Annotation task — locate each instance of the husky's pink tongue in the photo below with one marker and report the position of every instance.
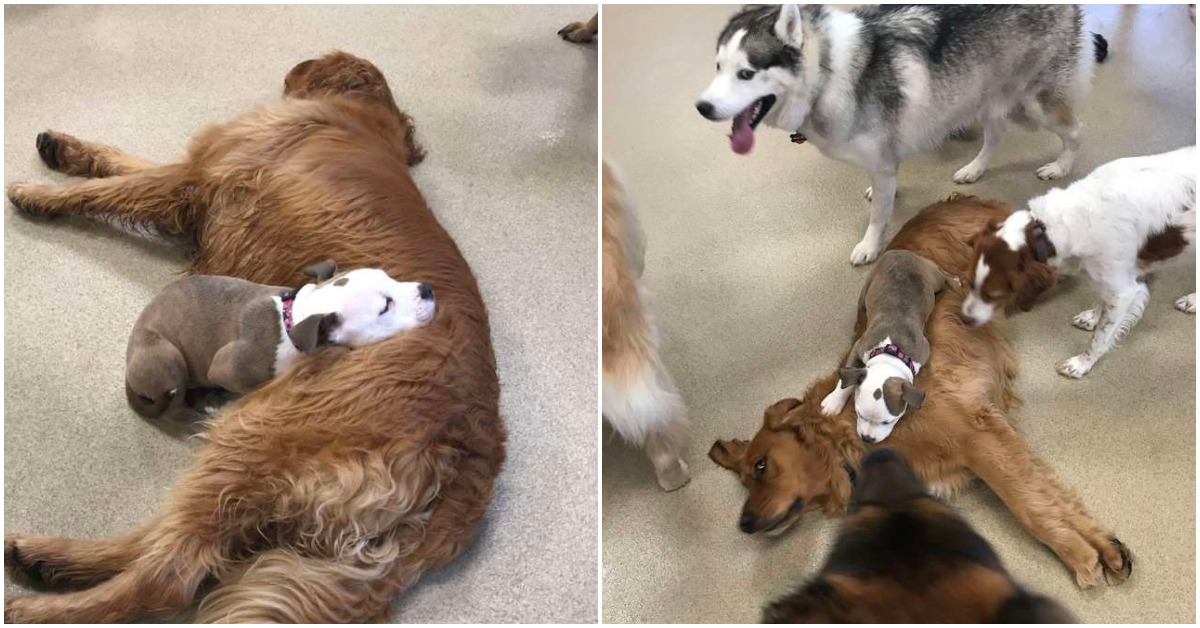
(742, 138)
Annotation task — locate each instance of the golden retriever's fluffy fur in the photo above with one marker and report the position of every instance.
(640, 400)
(327, 492)
(798, 460)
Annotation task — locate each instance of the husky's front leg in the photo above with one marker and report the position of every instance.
(883, 197)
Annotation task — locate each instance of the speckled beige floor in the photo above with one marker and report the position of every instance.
(508, 113)
(749, 261)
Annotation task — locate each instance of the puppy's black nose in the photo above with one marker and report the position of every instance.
(705, 108)
(868, 439)
(425, 291)
(746, 523)
(971, 322)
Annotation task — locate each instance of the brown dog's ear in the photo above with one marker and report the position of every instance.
(313, 331)
(729, 454)
(851, 376)
(1036, 279)
(322, 271)
(775, 416)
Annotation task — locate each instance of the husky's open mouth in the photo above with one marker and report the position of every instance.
(741, 140)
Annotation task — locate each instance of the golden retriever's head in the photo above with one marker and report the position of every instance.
(903, 556)
(793, 463)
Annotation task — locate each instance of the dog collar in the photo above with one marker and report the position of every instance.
(287, 299)
(895, 352)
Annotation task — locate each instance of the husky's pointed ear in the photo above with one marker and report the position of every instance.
(322, 271)
(788, 28)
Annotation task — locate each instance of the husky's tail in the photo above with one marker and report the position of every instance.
(1100, 47)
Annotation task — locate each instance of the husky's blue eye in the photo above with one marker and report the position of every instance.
(745, 75)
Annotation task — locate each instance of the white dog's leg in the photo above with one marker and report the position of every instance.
(993, 134)
(833, 403)
(1186, 303)
(883, 196)
(1086, 320)
(1118, 316)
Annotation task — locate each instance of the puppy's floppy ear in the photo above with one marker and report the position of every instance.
(313, 331)
(775, 416)
(851, 376)
(898, 394)
(322, 271)
(788, 27)
(729, 454)
(1034, 280)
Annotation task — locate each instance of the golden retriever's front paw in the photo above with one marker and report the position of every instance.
(577, 32)
(19, 195)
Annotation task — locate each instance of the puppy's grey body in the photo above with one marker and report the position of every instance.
(202, 332)
(873, 85)
(893, 308)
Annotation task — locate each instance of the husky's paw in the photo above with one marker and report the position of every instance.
(1052, 170)
(832, 404)
(865, 252)
(1186, 304)
(969, 173)
(673, 475)
(1076, 367)
(867, 193)
(1086, 320)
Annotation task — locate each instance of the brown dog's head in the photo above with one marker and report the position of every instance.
(1009, 265)
(343, 74)
(903, 556)
(792, 463)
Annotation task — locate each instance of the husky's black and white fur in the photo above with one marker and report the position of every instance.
(873, 85)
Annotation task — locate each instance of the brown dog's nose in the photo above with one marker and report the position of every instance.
(425, 291)
(969, 320)
(747, 522)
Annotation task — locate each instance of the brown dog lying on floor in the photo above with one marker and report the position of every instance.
(801, 460)
(902, 556)
(325, 493)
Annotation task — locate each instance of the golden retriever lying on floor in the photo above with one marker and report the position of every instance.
(321, 496)
(802, 460)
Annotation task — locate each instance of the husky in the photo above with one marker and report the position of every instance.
(874, 85)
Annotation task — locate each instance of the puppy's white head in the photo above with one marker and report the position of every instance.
(880, 399)
(756, 68)
(359, 307)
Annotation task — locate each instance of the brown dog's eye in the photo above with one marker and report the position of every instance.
(760, 466)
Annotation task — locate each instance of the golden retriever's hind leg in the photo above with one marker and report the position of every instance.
(73, 156)
(50, 563)
(157, 199)
(1051, 513)
(580, 32)
(282, 586)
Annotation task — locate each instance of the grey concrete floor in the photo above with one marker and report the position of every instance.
(748, 259)
(508, 114)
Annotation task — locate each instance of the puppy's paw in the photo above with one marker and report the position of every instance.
(1186, 304)
(969, 173)
(1086, 320)
(577, 32)
(1052, 170)
(865, 252)
(832, 404)
(1076, 367)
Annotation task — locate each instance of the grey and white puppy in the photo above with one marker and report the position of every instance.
(214, 332)
(895, 304)
(873, 85)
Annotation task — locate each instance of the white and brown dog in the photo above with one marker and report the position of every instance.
(213, 332)
(1125, 220)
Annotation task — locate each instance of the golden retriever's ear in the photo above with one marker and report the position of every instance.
(729, 454)
(775, 417)
(1036, 279)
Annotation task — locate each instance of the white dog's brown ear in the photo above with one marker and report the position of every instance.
(1034, 280)
(898, 395)
(729, 454)
(788, 27)
(775, 416)
(851, 376)
(313, 331)
(322, 271)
